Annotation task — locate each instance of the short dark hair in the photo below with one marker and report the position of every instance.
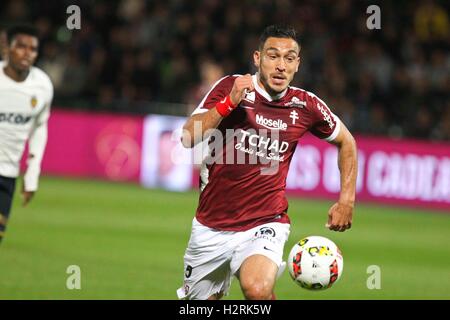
(278, 31)
(13, 31)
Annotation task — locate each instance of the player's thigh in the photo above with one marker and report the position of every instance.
(257, 276)
(258, 260)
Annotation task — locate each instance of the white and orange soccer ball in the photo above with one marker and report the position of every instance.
(315, 263)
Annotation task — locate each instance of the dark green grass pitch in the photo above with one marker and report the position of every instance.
(129, 243)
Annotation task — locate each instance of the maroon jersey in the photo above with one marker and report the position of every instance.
(243, 179)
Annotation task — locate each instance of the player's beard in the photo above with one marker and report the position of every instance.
(266, 85)
(265, 81)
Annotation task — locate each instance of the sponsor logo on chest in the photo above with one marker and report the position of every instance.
(277, 124)
(15, 118)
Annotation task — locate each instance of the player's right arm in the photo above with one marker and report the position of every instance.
(217, 104)
(327, 126)
(36, 146)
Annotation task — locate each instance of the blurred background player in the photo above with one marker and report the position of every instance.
(241, 224)
(26, 94)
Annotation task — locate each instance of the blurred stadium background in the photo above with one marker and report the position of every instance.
(136, 68)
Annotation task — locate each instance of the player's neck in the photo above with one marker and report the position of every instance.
(16, 75)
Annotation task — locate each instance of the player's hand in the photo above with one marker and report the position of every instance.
(26, 196)
(241, 84)
(340, 217)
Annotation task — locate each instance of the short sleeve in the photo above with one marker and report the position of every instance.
(325, 124)
(44, 115)
(218, 91)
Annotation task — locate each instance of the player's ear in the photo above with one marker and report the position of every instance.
(298, 64)
(257, 58)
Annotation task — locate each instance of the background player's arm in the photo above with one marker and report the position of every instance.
(36, 147)
(198, 124)
(340, 214)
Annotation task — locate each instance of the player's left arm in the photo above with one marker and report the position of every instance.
(37, 142)
(341, 213)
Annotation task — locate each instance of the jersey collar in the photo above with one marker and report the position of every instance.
(264, 93)
(11, 80)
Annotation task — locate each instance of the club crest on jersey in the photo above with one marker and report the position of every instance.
(33, 101)
(294, 116)
(295, 102)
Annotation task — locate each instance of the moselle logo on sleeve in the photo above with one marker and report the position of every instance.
(15, 118)
(326, 115)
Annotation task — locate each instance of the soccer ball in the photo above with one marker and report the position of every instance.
(315, 263)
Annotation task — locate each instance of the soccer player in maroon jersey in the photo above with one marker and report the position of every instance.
(241, 224)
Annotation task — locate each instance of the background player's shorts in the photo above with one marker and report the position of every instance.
(213, 257)
(7, 186)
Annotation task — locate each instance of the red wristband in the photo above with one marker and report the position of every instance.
(225, 106)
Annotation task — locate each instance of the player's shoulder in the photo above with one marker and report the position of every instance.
(222, 85)
(41, 77)
(226, 81)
